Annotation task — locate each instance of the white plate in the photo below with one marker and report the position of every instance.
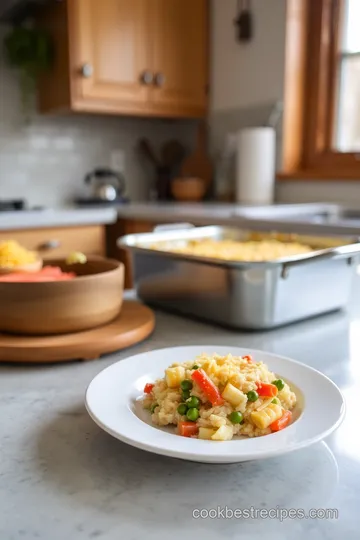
(112, 400)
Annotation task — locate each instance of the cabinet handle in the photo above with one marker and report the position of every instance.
(49, 245)
(160, 79)
(147, 77)
(87, 71)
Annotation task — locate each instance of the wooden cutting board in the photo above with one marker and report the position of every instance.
(135, 323)
(198, 164)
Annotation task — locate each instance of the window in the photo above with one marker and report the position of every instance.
(347, 127)
(322, 90)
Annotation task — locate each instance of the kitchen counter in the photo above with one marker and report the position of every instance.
(310, 218)
(48, 218)
(61, 477)
(194, 212)
(202, 213)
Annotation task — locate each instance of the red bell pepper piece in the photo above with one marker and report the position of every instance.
(188, 429)
(148, 388)
(248, 358)
(206, 385)
(281, 422)
(266, 390)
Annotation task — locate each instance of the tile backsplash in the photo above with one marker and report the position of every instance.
(45, 160)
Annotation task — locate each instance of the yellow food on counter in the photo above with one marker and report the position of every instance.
(76, 258)
(12, 254)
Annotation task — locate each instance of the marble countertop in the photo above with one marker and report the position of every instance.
(282, 217)
(207, 212)
(62, 478)
(47, 218)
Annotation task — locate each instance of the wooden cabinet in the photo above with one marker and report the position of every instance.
(180, 54)
(110, 49)
(121, 228)
(139, 57)
(59, 242)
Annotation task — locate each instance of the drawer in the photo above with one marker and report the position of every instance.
(59, 242)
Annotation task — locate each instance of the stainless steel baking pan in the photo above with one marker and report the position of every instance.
(249, 295)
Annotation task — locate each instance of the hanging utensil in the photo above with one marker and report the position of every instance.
(244, 21)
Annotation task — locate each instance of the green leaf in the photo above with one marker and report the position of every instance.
(30, 50)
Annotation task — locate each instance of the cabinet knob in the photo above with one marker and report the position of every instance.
(87, 71)
(49, 245)
(160, 79)
(147, 77)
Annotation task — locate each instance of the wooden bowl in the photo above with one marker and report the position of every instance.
(30, 267)
(92, 299)
(188, 189)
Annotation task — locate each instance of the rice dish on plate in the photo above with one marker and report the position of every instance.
(218, 397)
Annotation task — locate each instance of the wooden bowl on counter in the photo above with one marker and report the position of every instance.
(188, 189)
(92, 299)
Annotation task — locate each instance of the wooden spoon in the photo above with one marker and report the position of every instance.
(198, 164)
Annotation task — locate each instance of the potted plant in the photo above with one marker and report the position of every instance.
(30, 51)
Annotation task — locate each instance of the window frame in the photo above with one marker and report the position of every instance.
(311, 86)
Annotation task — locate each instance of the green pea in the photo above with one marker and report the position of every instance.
(195, 366)
(276, 401)
(185, 395)
(153, 407)
(186, 385)
(236, 417)
(193, 402)
(252, 395)
(279, 383)
(182, 409)
(192, 414)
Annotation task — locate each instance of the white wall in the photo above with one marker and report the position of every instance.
(45, 161)
(251, 74)
(246, 78)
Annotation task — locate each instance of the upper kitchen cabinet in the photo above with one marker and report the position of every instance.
(109, 50)
(137, 57)
(180, 55)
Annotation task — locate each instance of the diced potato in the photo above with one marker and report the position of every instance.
(263, 419)
(217, 421)
(224, 433)
(233, 395)
(206, 433)
(174, 376)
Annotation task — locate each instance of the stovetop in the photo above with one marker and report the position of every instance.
(18, 205)
(93, 202)
(12, 204)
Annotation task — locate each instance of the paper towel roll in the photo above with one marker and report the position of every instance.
(255, 165)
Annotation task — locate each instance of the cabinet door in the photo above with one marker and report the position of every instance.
(180, 57)
(111, 47)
